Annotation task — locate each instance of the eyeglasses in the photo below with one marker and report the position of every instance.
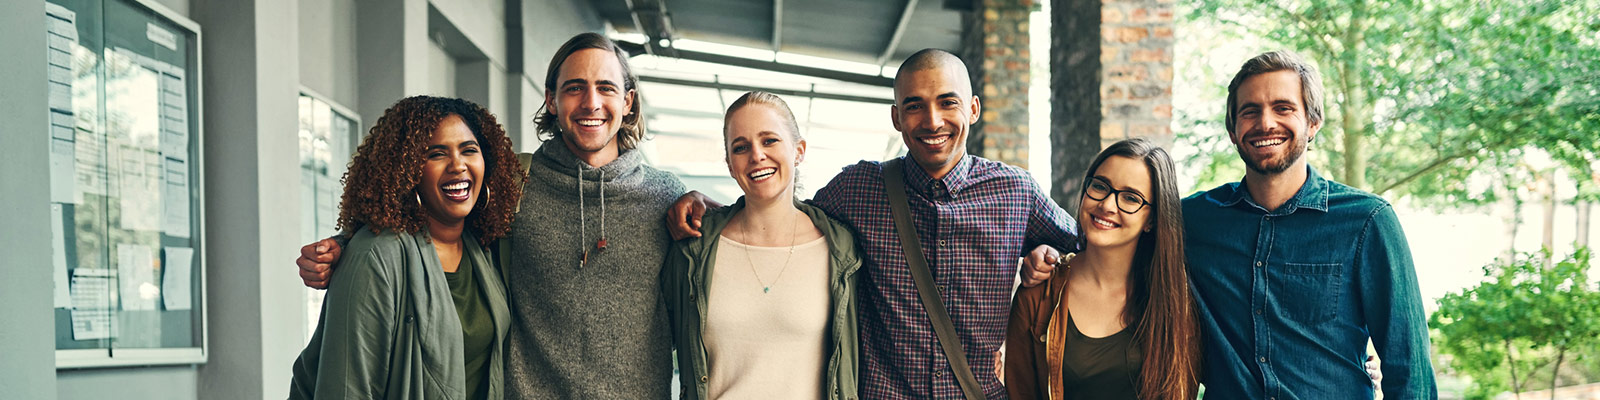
(1098, 189)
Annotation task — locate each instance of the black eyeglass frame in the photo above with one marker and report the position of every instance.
(1112, 193)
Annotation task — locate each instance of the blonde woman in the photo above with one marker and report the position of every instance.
(762, 304)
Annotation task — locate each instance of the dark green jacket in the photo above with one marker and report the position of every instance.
(686, 278)
(389, 328)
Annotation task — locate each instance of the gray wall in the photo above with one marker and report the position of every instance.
(328, 49)
(27, 334)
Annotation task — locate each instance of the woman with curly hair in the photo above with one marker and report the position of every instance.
(419, 310)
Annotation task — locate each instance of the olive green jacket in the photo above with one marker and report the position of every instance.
(686, 278)
(389, 328)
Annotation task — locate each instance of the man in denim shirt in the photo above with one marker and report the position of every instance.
(1292, 272)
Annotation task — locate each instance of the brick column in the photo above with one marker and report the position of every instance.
(1136, 74)
(1111, 79)
(1001, 75)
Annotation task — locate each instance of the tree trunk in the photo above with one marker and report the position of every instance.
(1516, 388)
(1583, 223)
(1512, 225)
(1074, 96)
(1561, 355)
(1548, 238)
(1354, 108)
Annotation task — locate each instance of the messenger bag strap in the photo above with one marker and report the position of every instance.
(895, 186)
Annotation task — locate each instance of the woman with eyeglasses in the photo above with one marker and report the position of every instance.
(1117, 320)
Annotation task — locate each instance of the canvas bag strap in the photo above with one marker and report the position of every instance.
(895, 186)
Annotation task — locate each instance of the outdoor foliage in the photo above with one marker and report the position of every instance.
(1440, 100)
(1529, 323)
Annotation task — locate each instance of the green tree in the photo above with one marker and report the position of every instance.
(1528, 319)
(1424, 94)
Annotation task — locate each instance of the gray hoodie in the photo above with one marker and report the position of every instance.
(595, 329)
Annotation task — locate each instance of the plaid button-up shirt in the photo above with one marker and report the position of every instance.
(973, 224)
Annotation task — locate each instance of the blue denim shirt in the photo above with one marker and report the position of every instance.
(1287, 298)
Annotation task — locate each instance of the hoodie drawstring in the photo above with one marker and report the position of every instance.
(583, 226)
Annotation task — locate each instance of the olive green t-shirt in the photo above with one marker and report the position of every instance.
(477, 326)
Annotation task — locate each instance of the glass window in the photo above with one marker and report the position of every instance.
(125, 193)
(326, 138)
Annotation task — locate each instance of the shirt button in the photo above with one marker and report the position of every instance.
(1262, 359)
(938, 374)
(941, 288)
(702, 379)
(1258, 311)
(1258, 263)
(941, 243)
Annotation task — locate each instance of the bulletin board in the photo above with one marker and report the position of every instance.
(125, 184)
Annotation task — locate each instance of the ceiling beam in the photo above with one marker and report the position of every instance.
(782, 92)
(899, 31)
(651, 18)
(872, 80)
(777, 25)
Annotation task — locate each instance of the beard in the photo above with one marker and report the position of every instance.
(1297, 149)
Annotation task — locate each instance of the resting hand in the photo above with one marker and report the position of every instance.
(1374, 371)
(683, 218)
(316, 262)
(1040, 264)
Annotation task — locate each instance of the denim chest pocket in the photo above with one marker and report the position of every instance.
(1307, 293)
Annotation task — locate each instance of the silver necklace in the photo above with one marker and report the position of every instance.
(767, 287)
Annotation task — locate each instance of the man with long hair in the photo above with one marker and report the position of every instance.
(586, 245)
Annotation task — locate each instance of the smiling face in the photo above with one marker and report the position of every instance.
(589, 101)
(452, 173)
(762, 153)
(1104, 224)
(1271, 129)
(933, 109)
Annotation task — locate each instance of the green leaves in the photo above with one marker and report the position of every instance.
(1426, 97)
(1524, 315)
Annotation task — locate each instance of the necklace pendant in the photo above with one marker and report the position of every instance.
(766, 289)
(583, 258)
(601, 245)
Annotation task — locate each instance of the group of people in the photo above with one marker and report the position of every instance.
(469, 271)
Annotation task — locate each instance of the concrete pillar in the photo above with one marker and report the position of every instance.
(1075, 116)
(27, 336)
(251, 80)
(392, 50)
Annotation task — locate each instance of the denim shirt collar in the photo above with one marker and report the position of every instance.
(918, 179)
(1312, 195)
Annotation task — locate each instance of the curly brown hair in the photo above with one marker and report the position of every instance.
(380, 187)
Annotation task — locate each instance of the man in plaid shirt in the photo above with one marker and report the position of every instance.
(974, 217)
